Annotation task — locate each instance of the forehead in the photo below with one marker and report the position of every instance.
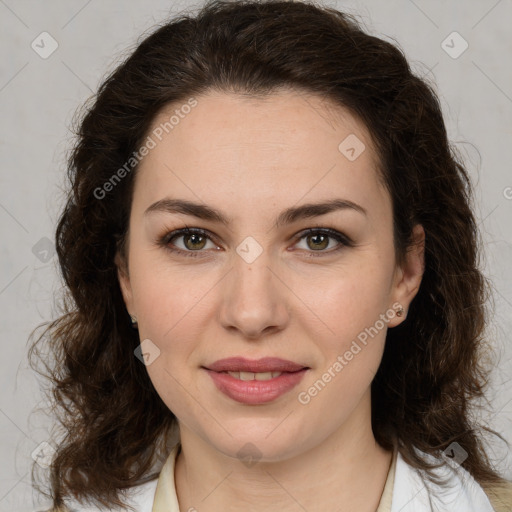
(283, 146)
(286, 116)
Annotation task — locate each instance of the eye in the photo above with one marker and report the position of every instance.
(188, 241)
(318, 240)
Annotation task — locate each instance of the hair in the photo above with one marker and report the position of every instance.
(434, 367)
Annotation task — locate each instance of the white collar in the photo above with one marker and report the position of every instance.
(413, 492)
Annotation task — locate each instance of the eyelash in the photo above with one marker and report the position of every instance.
(343, 240)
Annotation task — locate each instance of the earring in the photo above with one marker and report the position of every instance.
(400, 312)
(134, 321)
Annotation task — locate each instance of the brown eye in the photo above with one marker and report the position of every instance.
(188, 242)
(194, 241)
(322, 241)
(318, 241)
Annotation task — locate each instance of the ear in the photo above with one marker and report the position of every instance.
(408, 277)
(124, 282)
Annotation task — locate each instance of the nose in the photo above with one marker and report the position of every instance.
(255, 300)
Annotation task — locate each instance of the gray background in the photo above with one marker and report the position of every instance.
(39, 96)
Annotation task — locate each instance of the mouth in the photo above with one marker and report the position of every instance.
(255, 388)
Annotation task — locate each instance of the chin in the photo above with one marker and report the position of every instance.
(252, 445)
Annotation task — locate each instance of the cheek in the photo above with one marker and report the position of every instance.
(348, 301)
(352, 346)
(166, 295)
(174, 307)
(172, 313)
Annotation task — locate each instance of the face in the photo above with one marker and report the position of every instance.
(261, 275)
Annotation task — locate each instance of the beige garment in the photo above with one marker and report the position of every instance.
(500, 495)
(166, 499)
(387, 493)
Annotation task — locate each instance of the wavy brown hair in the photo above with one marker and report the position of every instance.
(114, 427)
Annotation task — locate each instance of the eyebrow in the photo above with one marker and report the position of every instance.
(288, 216)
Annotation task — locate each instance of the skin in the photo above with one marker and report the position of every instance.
(251, 159)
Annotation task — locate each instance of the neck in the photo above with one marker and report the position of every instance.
(349, 467)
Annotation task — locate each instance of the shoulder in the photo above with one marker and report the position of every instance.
(459, 492)
(140, 498)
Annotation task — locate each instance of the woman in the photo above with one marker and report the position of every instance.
(272, 261)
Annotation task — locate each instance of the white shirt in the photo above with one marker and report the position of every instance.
(411, 490)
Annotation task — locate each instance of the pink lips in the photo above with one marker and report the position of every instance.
(255, 392)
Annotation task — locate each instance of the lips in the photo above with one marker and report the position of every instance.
(255, 392)
(254, 382)
(266, 364)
